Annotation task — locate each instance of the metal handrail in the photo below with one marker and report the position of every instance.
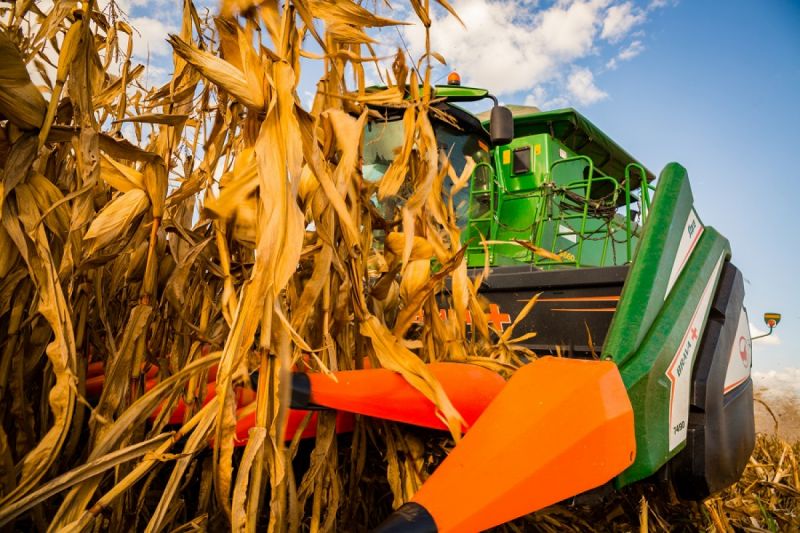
(645, 201)
(586, 184)
(560, 206)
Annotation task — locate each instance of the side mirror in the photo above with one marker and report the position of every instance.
(501, 125)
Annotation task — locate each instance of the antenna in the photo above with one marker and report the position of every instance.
(405, 47)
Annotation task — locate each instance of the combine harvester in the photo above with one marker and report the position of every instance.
(638, 296)
(641, 332)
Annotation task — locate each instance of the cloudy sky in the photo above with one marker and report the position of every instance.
(710, 84)
(542, 54)
(539, 53)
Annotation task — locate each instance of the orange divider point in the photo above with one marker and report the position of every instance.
(95, 368)
(344, 424)
(244, 396)
(386, 394)
(95, 377)
(378, 392)
(94, 385)
(559, 427)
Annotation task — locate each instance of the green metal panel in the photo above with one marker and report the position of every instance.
(534, 205)
(543, 151)
(519, 200)
(672, 338)
(458, 93)
(653, 261)
(515, 203)
(660, 318)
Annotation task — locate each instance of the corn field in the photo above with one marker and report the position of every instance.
(237, 232)
(230, 231)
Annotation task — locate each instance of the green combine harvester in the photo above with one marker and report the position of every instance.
(642, 339)
(630, 278)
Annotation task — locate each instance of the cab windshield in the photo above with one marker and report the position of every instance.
(384, 139)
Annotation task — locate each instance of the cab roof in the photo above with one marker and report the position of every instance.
(567, 125)
(577, 133)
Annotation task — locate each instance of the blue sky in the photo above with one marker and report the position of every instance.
(710, 84)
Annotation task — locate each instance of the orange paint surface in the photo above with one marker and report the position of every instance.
(372, 392)
(344, 424)
(560, 427)
(385, 394)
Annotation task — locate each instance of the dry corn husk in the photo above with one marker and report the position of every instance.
(20, 101)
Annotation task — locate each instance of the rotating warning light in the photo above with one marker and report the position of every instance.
(453, 78)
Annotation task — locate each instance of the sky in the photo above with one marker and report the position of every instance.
(712, 85)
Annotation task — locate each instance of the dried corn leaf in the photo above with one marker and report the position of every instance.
(156, 118)
(20, 101)
(121, 177)
(393, 355)
(116, 218)
(222, 73)
(345, 11)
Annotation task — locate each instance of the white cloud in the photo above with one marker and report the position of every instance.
(580, 85)
(537, 97)
(308, 99)
(657, 4)
(626, 54)
(620, 19)
(509, 48)
(633, 50)
(150, 37)
(543, 99)
(568, 32)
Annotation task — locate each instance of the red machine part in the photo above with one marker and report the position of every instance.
(378, 393)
